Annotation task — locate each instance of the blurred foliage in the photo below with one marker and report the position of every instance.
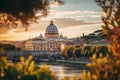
(59, 2)
(2, 51)
(102, 67)
(25, 12)
(24, 70)
(107, 68)
(13, 12)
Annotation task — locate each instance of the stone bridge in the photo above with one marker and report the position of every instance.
(37, 55)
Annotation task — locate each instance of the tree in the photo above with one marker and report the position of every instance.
(77, 52)
(2, 52)
(64, 52)
(103, 50)
(59, 1)
(13, 12)
(25, 69)
(8, 47)
(85, 51)
(93, 49)
(76, 46)
(107, 68)
(70, 51)
(24, 11)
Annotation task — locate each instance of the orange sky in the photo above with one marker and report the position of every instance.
(72, 19)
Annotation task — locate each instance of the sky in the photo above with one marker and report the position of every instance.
(72, 19)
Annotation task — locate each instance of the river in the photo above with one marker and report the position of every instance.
(65, 71)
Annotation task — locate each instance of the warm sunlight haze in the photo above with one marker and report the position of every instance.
(73, 19)
(59, 39)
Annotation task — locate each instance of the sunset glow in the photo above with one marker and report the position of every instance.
(72, 19)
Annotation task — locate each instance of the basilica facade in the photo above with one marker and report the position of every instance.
(51, 41)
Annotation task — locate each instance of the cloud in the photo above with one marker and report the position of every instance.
(60, 23)
(62, 14)
(90, 12)
(41, 26)
(76, 14)
(3, 30)
(68, 26)
(94, 16)
(78, 30)
(73, 31)
(19, 36)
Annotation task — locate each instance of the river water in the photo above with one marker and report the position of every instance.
(65, 71)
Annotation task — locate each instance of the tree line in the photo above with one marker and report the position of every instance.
(8, 47)
(84, 51)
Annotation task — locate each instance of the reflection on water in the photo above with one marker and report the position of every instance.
(63, 71)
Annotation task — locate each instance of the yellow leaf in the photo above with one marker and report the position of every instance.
(94, 77)
(94, 57)
(2, 51)
(89, 64)
(22, 59)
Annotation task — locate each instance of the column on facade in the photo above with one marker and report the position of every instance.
(46, 47)
(35, 47)
(55, 46)
(52, 46)
(42, 47)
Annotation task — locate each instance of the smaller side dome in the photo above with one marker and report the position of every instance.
(40, 36)
(61, 36)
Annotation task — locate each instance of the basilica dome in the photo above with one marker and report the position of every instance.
(51, 31)
(51, 28)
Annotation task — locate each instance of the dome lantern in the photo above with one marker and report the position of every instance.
(51, 22)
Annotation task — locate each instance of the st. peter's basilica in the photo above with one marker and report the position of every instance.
(51, 41)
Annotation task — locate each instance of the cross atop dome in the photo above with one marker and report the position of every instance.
(51, 22)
